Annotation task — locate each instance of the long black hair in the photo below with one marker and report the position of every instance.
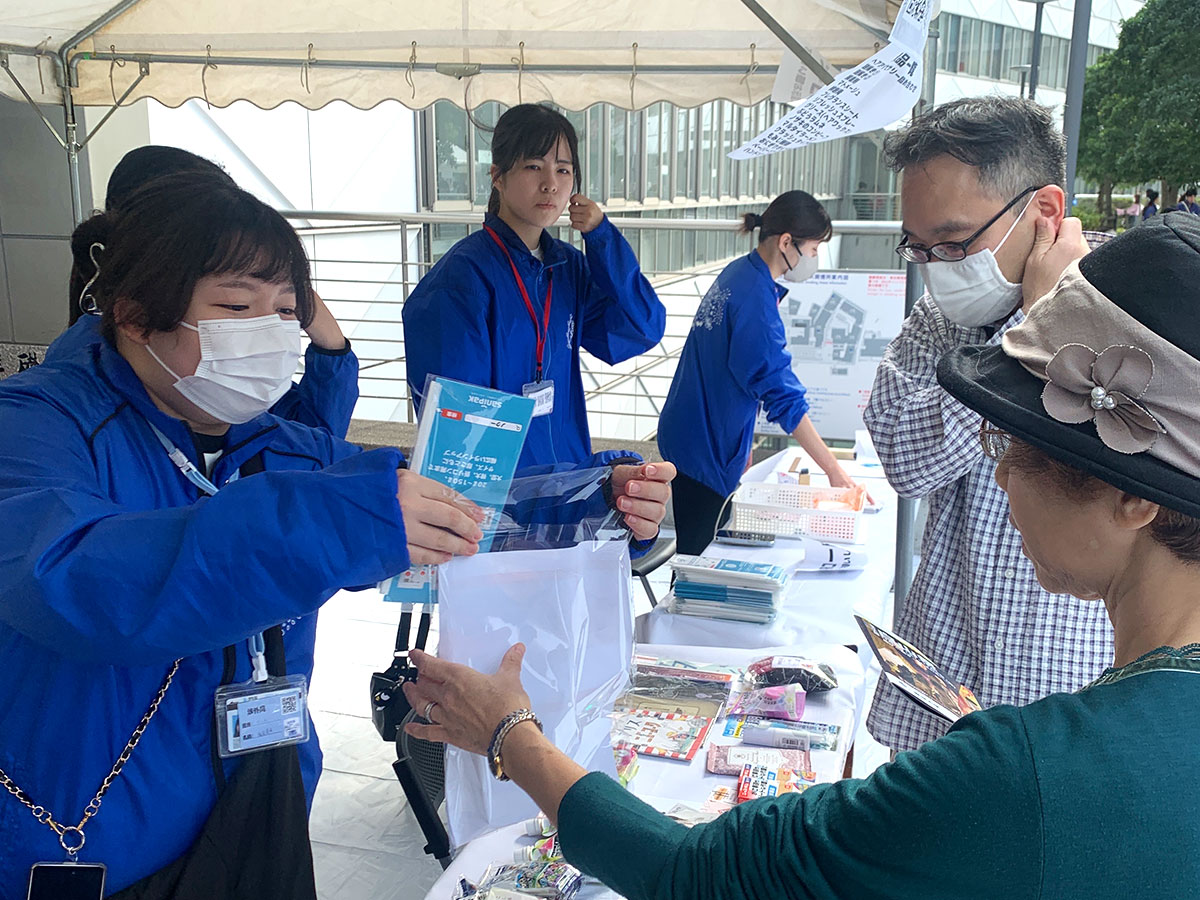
(136, 168)
(797, 213)
(175, 230)
(528, 131)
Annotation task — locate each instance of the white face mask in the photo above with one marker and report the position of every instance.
(245, 366)
(972, 291)
(802, 270)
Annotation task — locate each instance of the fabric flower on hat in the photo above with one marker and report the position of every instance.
(1105, 388)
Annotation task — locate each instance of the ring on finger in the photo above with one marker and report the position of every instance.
(427, 715)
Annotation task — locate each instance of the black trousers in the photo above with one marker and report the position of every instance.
(699, 512)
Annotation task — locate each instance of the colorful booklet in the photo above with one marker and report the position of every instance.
(657, 733)
(470, 438)
(914, 674)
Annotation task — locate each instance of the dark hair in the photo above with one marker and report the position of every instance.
(797, 213)
(1190, 192)
(136, 168)
(1012, 142)
(172, 232)
(528, 131)
(1177, 532)
(1151, 194)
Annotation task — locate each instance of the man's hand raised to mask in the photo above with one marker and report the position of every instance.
(1050, 256)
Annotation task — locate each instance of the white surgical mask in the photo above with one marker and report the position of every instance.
(972, 291)
(802, 270)
(245, 366)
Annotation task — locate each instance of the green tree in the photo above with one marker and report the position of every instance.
(1141, 109)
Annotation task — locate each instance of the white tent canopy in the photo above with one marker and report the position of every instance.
(574, 53)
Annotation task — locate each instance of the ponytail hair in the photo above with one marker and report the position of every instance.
(750, 221)
(529, 131)
(797, 213)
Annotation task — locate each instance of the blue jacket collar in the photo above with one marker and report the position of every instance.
(242, 441)
(760, 266)
(552, 253)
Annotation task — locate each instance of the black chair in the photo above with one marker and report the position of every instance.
(663, 549)
(420, 767)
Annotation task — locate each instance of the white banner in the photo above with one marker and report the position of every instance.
(794, 82)
(873, 94)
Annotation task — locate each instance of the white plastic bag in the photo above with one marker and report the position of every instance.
(573, 610)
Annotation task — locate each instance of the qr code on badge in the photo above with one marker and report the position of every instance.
(289, 704)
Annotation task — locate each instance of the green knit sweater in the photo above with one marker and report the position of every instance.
(1089, 795)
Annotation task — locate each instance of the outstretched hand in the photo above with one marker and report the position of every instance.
(642, 494)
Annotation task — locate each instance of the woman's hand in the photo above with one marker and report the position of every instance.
(468, 705)
(585, 214)
(324, 330)
(839, 479)
(642, 494)
(439, 521)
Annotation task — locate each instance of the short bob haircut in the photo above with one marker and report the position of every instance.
(172, 232)
(528, 131)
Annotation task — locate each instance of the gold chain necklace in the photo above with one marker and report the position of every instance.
(70, 837)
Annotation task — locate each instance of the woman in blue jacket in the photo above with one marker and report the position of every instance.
(325, 395)
(735, 358)
(509, 307)
(157, 518)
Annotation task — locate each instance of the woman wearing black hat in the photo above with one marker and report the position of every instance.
(736, 358)
(1092, 402)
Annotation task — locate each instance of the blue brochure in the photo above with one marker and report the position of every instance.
(470, 438)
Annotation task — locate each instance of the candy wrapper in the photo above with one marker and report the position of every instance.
(730, 759)
(785, 701)
(555, 880)
(814, 677)
(770, 781)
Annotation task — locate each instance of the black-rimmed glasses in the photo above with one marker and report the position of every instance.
(952, 251)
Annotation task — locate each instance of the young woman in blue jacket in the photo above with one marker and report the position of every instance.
(326, 393)
(735, 358)
(158, 518)
(509, 307)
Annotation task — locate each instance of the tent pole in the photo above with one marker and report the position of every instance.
(794, 46)
(1076, 73)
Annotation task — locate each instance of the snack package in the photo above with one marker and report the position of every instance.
(544, 850)
(627, 764)
(784, 701)
(730, 759)
(814, 677)
(555, 880)
(769, 781)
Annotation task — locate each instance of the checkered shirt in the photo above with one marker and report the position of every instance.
(975, 605)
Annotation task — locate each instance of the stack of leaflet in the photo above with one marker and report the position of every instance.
(732, 589)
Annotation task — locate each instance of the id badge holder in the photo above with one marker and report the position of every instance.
(542, 393)
(66, 881)
(258, 715)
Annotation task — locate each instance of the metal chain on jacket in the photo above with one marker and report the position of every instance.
(70, 837)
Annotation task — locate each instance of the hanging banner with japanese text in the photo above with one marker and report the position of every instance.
(873, 94)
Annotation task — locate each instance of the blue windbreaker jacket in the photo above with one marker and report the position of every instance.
(324, 397)
(112, 566)
(734, 358)
(466, 320)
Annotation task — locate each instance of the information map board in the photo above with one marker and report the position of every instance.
(838, 324)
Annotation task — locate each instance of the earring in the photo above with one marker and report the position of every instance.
(87, 301)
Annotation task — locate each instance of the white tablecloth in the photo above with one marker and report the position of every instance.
(663, 783)
(817, 608)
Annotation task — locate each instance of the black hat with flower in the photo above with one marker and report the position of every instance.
(1104, 373)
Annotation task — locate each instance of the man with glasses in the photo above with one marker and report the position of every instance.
(981, 192)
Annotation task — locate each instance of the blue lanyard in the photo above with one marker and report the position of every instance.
(256, 644)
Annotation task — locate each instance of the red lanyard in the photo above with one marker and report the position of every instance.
(544, 328)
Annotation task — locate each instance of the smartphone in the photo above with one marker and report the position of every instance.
(66, 881)
(745, 538)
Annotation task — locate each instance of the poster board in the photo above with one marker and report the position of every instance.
(838, 324)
